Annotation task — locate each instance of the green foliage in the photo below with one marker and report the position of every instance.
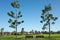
(47, 17)
(10, 20)
(48, 8)
(15, 5)
(43, 12)
(19, 22)
(2, 29)
(19, 16)
(53, 22)
(12, 26)
(19, 13)
(22, 21)
(11, 14)
(14, 22)
(44, 28)
(41, 21)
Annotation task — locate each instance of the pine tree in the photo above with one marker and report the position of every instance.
(47, 17)
(15, 16)
(2, 31)
(22, 31)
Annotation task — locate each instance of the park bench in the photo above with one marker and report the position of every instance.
(28, 36)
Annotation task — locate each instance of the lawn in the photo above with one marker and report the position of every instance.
(22, 37)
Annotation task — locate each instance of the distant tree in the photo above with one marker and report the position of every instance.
(13, 33)
(2, 31)
(43, 28)
(45, 32)
(22, 31)
(32, 31)
(36, 31)
(52, 32)
(58, 32)
(47, 17)
(14, 23)
(39, 32)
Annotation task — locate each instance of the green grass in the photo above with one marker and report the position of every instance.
(22, 37)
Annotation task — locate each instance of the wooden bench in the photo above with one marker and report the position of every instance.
(28, 36)
(40, 36)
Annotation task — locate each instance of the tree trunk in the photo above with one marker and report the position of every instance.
(16, 32)
(16, 26)
(49, 30)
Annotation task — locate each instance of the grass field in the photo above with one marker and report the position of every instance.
(22, 37)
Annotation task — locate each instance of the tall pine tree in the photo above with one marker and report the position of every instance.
(15, 16)
(47, 18)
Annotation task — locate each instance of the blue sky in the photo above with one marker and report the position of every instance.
(31, 11)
